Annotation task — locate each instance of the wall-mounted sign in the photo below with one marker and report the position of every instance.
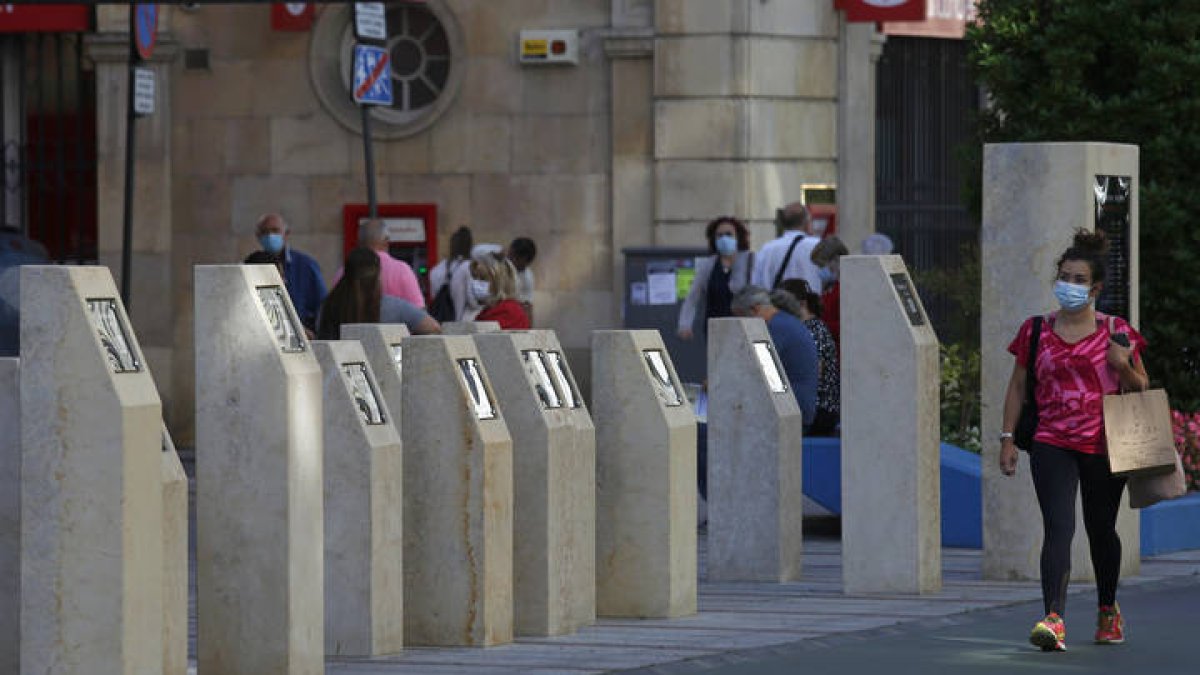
(282, 318)
(660, 374)
(145, 29)
(114, 336)
(398, 359)
(362, 388)
(370, 21)
(771, 368)
(908, 299)
(481, 398)
(143, 91)
(566, 384)
(1113, 196)
(539, 375)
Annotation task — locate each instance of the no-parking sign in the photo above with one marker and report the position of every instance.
(145, 29)
(372, 75)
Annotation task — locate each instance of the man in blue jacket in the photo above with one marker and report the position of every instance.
(300, 271)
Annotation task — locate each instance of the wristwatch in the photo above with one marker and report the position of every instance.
(1005, 435)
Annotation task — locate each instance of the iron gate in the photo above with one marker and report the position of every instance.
(48, 121)
(925, 106)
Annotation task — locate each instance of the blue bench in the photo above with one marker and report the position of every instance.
(962, 504)
(1166, 527)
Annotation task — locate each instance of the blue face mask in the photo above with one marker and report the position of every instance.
(828, 276)
(271, 243)
(1071, 296)
(726, 244)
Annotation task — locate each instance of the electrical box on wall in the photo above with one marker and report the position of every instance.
(549, 47)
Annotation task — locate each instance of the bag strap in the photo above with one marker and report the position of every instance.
(786, 259)
(1035, 335)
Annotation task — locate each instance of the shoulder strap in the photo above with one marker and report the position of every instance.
(1035, 335)
(786, 259)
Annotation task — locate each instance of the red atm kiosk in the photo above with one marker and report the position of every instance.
(412, 231)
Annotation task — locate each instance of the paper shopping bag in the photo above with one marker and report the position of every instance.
(1149, 490)
(1138, 428)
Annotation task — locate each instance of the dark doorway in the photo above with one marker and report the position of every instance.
(926, 102)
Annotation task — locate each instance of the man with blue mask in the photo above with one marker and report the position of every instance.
(300, 271)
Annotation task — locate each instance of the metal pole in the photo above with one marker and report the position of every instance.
(372, 204)
(130, 118)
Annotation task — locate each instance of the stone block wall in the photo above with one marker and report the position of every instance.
(520, 151)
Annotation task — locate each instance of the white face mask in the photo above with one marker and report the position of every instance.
(481, 289)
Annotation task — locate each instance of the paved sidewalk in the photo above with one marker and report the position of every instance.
(736, 617)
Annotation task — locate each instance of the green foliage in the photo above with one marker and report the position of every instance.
(960, 396)
(1123, 71)
(960, 359)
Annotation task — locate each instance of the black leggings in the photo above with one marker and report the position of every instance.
(1057, 475)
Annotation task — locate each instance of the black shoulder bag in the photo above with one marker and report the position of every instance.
(1028, 421)
(786, 259)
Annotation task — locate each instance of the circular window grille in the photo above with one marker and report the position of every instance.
(424, 43)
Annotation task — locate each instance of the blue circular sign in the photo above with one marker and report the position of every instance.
(145, 29)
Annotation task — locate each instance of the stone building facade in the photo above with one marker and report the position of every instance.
(677, 111)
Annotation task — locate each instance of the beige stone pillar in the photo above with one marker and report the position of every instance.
(175, 560)
(91, 490)
(1034, 197)
(364, 517)
(458, 546)
(259, 464)
(891, 451)
(645, 479)
(151, 285)
(858, 51)
(554, 486)
(755, 458)
(745, 111)
(10, 515)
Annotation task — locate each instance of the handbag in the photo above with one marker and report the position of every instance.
(1028, 421)
(1149, 490)
(1138, 428)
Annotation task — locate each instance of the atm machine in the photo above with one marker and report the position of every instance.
(412, 231)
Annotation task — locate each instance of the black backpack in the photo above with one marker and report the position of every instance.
(442, 306)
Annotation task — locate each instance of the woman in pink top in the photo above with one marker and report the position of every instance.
(1078, 361)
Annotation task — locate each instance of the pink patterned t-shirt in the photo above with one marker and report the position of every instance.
(1072, 379)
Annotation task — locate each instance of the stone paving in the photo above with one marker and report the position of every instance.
(738, 616)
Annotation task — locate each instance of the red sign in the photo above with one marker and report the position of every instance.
(293, 16)
(870, 11)
(65, 18)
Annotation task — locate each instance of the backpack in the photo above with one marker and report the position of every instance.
(442, 306)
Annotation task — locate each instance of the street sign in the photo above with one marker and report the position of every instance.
(143, 91)
(293, 16)
(145, 29)
(370, 21)
(372, 76)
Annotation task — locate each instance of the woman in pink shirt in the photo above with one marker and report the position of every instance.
(1079, 359)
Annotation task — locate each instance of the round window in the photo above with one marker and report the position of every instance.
(424, 43)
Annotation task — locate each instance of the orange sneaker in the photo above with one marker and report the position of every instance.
(1110, 627)
(1050, 634)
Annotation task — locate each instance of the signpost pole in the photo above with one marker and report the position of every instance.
(130, 127)
(369, 156)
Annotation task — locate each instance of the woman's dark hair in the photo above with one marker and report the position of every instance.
(1089, 247)
(804, 293)
(743, 235)
(827, 250)
(461, 243)
(355, 298)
